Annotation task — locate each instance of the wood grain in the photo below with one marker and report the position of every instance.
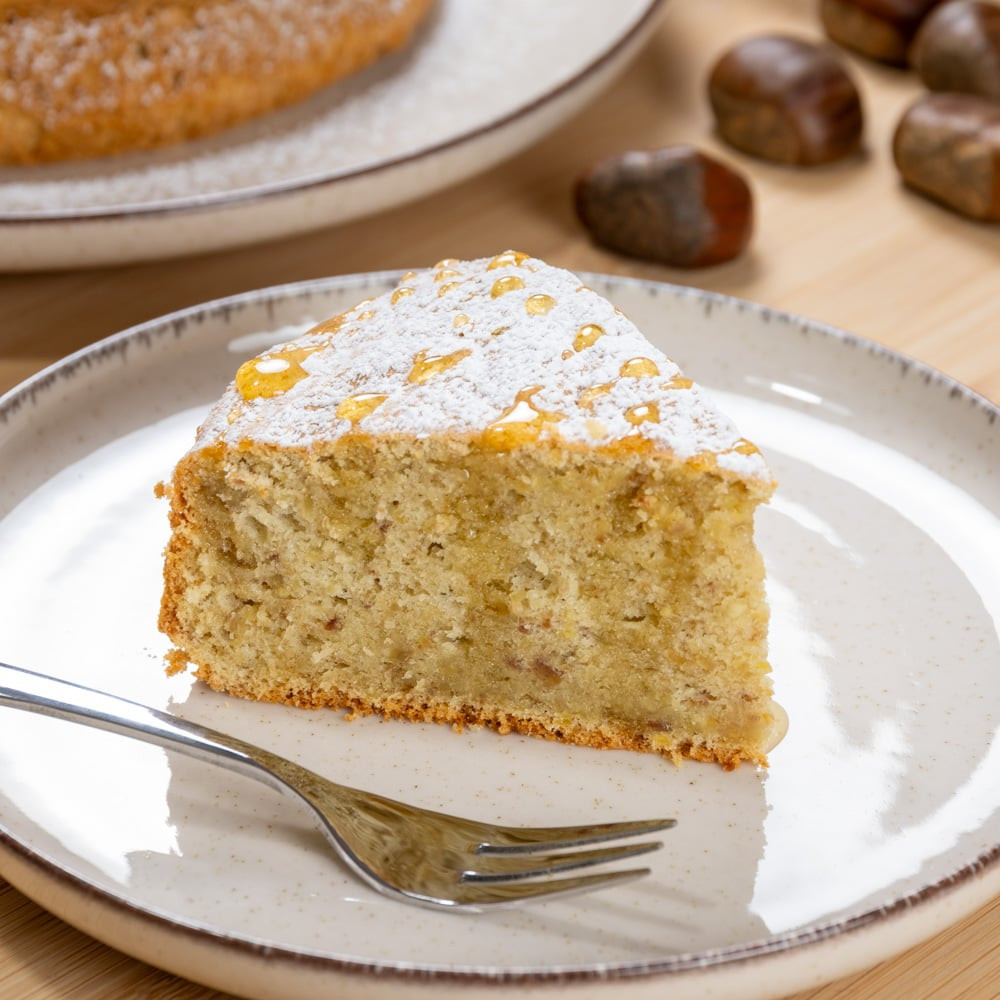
(846, 244)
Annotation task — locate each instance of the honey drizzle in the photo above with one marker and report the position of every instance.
(274, 373)
(742, 447)
(509, 258)
(587, 336)
(508, 283)
(332, 325)
(643, 413)
(539, 304)
(589, 396)
(356, 408)
(638, 367)
(521, 423)
(425, 367)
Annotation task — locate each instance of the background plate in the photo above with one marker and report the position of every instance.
(877, 824)
(481, 81)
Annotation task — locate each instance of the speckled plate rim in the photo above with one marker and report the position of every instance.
(596, 69)
(782, 963)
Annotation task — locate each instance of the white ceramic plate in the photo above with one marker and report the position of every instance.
(877, 824)
(481, 81)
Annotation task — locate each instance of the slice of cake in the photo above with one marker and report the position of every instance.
(481, 498)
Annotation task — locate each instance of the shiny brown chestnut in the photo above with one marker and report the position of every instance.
(786, 100)
(958, 49)
(879, 29)
(675, 206)
(947, 146)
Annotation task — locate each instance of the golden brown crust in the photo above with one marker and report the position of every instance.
(617, 738)
(86, 78)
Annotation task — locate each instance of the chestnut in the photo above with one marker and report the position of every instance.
(947, 146)
(674, 205)
(958, 49)
(879, 29)
(786, 100)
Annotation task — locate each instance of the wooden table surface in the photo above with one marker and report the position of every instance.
(845, 244)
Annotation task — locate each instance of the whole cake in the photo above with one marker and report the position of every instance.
(480, 498)
(85, 78)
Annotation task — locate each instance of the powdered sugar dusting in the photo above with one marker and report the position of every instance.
(505, 350)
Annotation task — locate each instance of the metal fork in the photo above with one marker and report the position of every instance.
(427, 858)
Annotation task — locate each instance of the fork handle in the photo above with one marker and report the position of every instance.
(334, 805)
(61, 699)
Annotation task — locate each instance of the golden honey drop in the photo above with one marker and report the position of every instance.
(745, 447)
(679, 382)
(637, 367)
(426, 367)
(400, 293)
(509, 258)
(539, 305)
(331, 325)
(521, 423)
(460, 320)
(357, 407)
(587, 336)
(588, 396)
(508, 283)
(449, 287)
(643, 413)
(447, 274)
(272, 374)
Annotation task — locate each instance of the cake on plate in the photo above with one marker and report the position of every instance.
(87, 78)
(481, 498)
